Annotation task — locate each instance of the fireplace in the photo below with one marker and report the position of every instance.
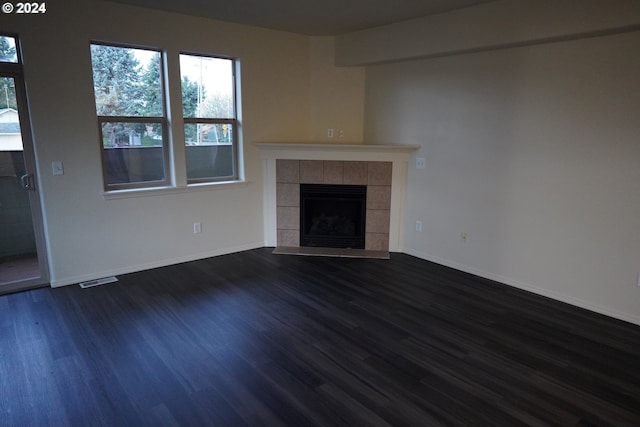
(375, 176)
(381, 168)
(333, 216)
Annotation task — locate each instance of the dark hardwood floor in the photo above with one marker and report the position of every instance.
(260, 339)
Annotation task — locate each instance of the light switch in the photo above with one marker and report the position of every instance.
(57, 168)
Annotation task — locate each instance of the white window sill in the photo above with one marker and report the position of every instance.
(161, 191)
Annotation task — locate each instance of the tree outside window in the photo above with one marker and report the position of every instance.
(8, 52)
(129, 100)
(131, 109)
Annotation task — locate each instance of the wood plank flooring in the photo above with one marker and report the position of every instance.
(270, 340)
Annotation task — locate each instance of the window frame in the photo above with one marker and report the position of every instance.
(162, 120)
(235, 176)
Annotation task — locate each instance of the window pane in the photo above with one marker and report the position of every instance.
(8, 52)
(207, 87)
(208, 162)
(208, 133)
(10, 137)
(133, 152)
(212, 156)
(126, 81)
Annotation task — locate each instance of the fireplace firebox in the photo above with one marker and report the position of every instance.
(333, 216)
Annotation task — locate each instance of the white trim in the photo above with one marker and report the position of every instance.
(399, 155)
(156, 264)
(285, 147)
(527, 287)
(161, 191)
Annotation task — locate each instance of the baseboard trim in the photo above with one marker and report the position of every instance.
(527, 287)
(156, 264)
(422, 255)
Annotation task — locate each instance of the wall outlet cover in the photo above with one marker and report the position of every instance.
(57, 168)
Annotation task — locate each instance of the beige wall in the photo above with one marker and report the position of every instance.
(90, 235)
(534, 153)
(337, 95)
(492, 25)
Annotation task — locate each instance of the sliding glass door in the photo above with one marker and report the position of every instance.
(22, 257)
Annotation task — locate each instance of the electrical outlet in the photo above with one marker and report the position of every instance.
(463, 237)
(419, 226)
(197, 228)
(421, 163)
(340, 133)
(330, 133)
(57, 168)
(638, 278)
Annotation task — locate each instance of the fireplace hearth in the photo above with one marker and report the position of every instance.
(333, 216)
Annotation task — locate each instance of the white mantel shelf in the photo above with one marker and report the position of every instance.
(337, 151)
(399, 155)
(310, 146)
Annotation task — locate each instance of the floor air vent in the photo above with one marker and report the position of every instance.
(98, 282)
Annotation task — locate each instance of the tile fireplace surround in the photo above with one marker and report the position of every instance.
(382, 168)
(376, 176)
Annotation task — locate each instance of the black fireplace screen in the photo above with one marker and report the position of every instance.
(333, 216)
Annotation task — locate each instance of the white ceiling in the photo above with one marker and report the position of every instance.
(311, 17)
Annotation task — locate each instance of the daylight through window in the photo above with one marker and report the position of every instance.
(8, 51)
(210, 125)
(10, 133)
(129, 96)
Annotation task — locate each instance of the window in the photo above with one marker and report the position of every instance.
(210, 124)
(128, 87)
(133, 121)
(8, 51)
